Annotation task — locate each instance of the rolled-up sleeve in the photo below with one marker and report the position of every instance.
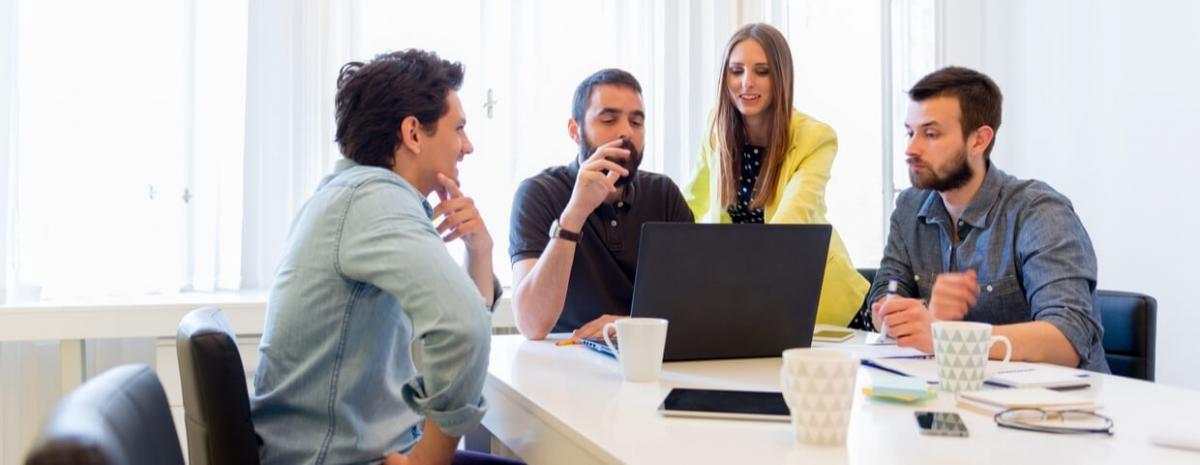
(389, 241)
(1059, 268)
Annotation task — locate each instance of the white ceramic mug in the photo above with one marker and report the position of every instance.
(818, 386)
(961, 350)
(642, 341)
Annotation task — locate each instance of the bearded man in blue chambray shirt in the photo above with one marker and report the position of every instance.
(971, 242)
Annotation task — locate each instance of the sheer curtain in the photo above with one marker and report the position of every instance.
(120, 122)
(294, 51)
(523, 57)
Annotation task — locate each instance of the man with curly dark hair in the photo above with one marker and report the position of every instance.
(366, 273)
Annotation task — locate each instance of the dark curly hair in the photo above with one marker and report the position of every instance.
(373, 98)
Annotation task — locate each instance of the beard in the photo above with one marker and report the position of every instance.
(632, 163)
(958, 174)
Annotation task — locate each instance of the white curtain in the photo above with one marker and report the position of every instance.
(294, 52)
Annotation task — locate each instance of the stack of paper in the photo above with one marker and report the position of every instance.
(1013, 374)
(991, 402)
(1030, 375)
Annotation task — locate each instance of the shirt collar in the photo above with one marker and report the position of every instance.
(344, 164)
(978, 209)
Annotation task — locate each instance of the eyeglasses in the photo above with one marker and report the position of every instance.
(1059, 422)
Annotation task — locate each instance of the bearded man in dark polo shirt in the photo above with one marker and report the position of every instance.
(576, 228)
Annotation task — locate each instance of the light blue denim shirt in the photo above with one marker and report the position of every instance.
(365, 274)
(1033, 257)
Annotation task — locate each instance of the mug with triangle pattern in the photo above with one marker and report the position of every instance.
(961, 350)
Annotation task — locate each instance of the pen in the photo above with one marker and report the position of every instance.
(891, 291)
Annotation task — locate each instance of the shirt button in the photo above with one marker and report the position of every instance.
(613, 223)
(620, 204)
(989, 288)
(916, 277)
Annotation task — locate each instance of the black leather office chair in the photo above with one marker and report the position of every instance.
(868, 273)
(215, 402)
(120, 417)
(1129, 332)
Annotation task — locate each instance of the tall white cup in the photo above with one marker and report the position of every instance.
(961, 350)
(818, 386)
(641, 342)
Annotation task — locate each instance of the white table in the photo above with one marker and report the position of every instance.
(568, 405)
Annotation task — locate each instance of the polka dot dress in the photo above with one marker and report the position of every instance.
(862, 319)
(740, 211)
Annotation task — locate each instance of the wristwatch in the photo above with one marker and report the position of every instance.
(557, 232)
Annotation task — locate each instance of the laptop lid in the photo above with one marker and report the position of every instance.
(731, 290)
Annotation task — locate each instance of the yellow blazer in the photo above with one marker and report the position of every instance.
(805, 173)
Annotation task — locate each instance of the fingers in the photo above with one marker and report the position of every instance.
(612, 147)
(612, 177)
(595, 327)
(453, 205)
(604, 164)
(465, 228)
(589, 330)
(450, 185)
(896, 305)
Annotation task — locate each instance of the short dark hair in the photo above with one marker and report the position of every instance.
(610, 76)
(979, 98)
(374, 98)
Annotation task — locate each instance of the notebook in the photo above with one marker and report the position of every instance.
(994, 401)
(1015, 374)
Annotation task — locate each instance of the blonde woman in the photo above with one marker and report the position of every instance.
(765, 162)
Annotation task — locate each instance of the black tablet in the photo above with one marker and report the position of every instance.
(711, 403)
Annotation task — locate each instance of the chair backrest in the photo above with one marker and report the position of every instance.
(215, 401)
(118, 417)
(1129, 332)
(868, 274)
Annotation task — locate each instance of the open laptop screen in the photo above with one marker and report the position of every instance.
(731, 290)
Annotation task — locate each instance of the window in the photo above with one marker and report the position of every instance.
(165, 145)
(121, 106)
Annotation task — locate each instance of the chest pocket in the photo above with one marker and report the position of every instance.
(1000, 302)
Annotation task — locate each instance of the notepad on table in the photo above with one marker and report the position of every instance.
(1014, 374)
(1021, 375)
(900, 389)
(994, 401)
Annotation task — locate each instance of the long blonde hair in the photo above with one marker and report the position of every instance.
(729, 126)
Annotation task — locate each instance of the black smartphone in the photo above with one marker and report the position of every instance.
(711, 403)
(941, 424)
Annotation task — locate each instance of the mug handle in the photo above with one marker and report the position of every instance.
(1007, 349)
(604, 332)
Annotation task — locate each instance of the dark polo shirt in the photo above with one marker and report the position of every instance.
(602, 274)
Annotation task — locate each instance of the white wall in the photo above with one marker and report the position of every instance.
(1101, 98)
